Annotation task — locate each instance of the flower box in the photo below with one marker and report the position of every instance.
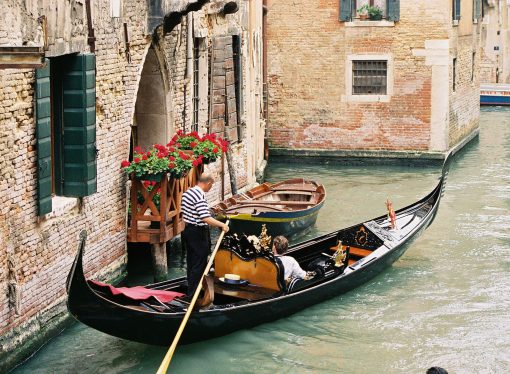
(159, 177)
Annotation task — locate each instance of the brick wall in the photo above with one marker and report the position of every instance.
(308, 51)
(42, 249)
(495, 64)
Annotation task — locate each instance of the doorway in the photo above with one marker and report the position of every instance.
(152, 119)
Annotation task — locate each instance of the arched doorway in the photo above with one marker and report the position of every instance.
(152, 119)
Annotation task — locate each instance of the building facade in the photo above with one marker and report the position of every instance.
(113, 74)
(495, 64)
(403, 85)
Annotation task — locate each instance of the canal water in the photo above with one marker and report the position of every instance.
(445, 303)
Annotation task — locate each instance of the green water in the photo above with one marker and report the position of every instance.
(446, 302)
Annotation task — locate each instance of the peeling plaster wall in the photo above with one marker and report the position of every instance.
(44, 248)
(495, 64)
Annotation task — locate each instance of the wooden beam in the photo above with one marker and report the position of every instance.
(12, 57)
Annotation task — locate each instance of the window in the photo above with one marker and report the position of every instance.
(357, 4)
(200, 86)
(473, 59)
(196, 78)
(390, 9)
(454, 74)
(369, 77)
(456, 10)
(65, 128)
(477, 10)
(238, 74)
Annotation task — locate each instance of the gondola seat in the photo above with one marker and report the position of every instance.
(297, 284)
(262, 271)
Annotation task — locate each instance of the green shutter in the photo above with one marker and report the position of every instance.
(79, 126)
(456, 10)
(394, 10)
(477, 9)
(43, 135)
(345, 10)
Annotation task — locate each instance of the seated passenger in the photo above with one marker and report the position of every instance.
(291, 267)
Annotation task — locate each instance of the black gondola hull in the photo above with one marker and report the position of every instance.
(160, 328)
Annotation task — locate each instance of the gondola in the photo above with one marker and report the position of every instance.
(286, 208)
(368, 247)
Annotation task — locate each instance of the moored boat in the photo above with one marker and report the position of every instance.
(369, 247)
(495, 94)
(285, 208)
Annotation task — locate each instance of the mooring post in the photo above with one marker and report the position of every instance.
(159, 261)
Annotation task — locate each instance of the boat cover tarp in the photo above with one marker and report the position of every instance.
(137, 293)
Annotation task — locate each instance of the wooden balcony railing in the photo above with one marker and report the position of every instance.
(150, 224)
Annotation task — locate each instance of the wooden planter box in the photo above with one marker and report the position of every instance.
(168, 215)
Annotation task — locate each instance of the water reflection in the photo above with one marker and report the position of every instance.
(445, 302)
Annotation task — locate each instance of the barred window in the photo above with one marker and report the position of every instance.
(369, 77)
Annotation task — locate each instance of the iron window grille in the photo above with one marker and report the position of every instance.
(369, 77)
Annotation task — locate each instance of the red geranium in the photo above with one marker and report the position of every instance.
(125, 163)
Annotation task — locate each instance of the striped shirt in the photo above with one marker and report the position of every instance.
(194, 207)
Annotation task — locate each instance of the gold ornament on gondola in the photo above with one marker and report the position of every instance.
(264, 239)
(340, 255)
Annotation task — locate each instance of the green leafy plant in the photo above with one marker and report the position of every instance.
(147, 164)
(363, 9)
(180, 163)
(210, 148)
(374, 12)
(183, 152)
(157, 161)
(185, 141)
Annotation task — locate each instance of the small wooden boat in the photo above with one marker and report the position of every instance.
(285, 208)
(495, 94)
(370, 247)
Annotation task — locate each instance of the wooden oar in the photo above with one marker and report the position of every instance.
(168, 357)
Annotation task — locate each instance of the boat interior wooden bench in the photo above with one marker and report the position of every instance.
(355, 252)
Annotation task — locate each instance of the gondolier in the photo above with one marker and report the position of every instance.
(197, 218)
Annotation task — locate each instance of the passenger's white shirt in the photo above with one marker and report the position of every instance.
(291, 268)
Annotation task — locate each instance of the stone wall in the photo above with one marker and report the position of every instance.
(40, 250)
(464, 112)
(310, 63)
(495, 64)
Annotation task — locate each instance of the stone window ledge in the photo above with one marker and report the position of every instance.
(359, 23)
(61, 205)
(367, 98)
